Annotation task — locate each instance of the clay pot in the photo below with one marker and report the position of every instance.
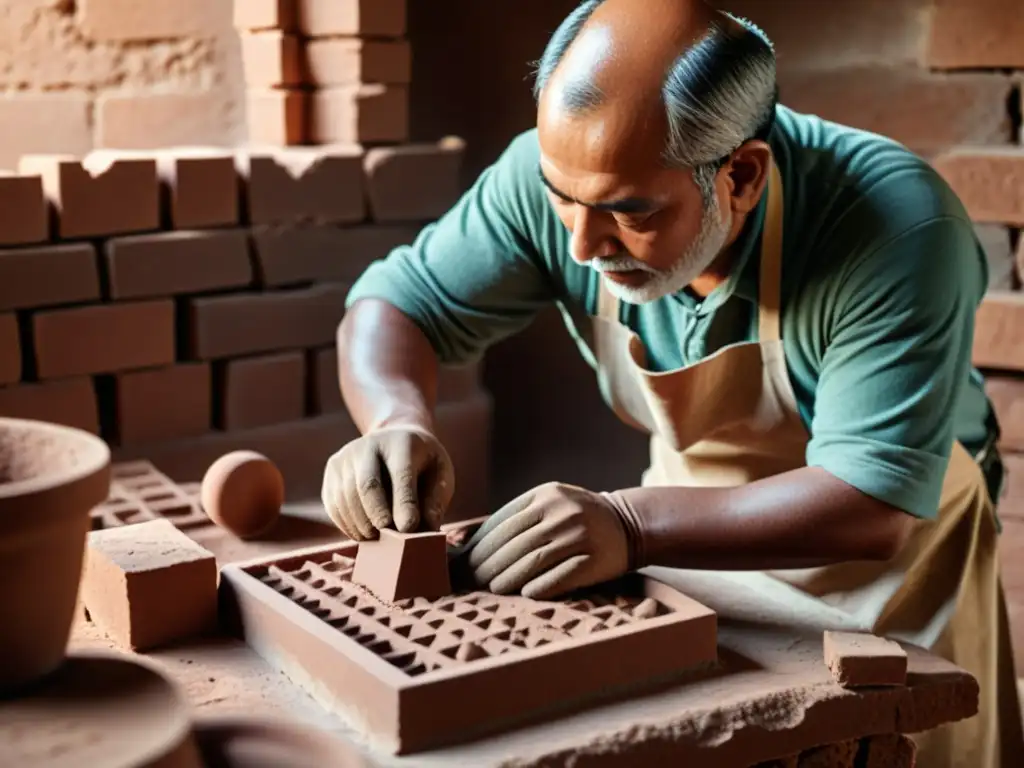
(50, 478)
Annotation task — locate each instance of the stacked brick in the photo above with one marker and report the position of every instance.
(177, 297)
(325, 71)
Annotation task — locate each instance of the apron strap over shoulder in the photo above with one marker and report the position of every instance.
(769, 297)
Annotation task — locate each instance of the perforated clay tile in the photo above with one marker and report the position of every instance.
(139, 492)
(422, 673)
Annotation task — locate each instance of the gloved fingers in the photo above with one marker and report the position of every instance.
(404, 477)
(351, 507)
(565, 577)
(437, 490)
(329, 496)
(533, 564)
(515, 518)
(367, 476)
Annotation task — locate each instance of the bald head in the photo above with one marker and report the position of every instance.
(677, 73)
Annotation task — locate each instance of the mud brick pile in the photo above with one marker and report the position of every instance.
(184, 302)
(325, 71)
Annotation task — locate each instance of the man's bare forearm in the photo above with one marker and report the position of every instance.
(387, 368)
(798, 519)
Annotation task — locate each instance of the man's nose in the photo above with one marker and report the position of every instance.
(590, 237)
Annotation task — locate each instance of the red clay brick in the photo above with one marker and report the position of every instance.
(250, 323)
(891, 750)
(104, 338)
(995, 241)
(1007, 397)
(289, 256)
(1020, 258)
(277, 117)
(989, 181)
(359, 113)
(151, 120)
(164, 403)
(414, 182)
(48, 275)
(201, 187)
(71, 402)
(271, 59)
(24, 215)
(304, 184)
(346, 61)
(356, 18)
(999, 332)
(123, 20)
(149, 585)
(861, 659)
(265, 14)
(972, 34)
(101, 195)
(10, 349)
(44, 122)
(176, 263)
(920, 109)
(259, 391)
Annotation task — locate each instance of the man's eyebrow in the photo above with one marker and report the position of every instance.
(625, 205)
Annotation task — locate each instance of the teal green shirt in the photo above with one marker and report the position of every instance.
(882, 274)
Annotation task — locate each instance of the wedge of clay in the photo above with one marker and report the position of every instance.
(243, 492)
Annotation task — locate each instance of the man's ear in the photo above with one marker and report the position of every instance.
(746, 174)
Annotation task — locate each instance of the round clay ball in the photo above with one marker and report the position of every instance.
(243, 492)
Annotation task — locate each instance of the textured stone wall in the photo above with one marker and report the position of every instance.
(117, 73)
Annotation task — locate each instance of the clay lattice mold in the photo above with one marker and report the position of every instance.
(139, 493)
(50, 477)
(423, 673)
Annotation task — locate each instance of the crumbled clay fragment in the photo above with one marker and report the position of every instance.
(861, 659)
(149, 585)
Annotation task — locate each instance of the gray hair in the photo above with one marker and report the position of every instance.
(719, 93)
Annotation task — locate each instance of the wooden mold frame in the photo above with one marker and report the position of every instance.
(422, 673)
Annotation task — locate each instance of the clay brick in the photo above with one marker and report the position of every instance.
(151, 120)
(1007, 397)
(163, 403)
(260, 391)
(250, 323)
(304, 184)
(71, 402)
(356, 18)
(123, 20)
(100, 195)
(843, 754)
(265, 14)
(919, 109)
(999, 331)
(971, 34)
(288, 256)
(414, 182)
(48, 275)
(44, 122)
(24, 214)
(398, 566)
(200, 186)
(359, 114)
(995, 241)
(271, 59)
(1020, 258)
(346, 61)
(989, 181)
(860, 659)
(277, 117)
(10, 349)
(892, 750)
(175, 263)
(149, 585)
(104, 338)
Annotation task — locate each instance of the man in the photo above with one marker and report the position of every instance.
(785, 304)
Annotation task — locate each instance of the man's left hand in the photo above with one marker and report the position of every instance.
(549, 541)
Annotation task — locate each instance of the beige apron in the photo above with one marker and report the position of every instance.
(732, 419)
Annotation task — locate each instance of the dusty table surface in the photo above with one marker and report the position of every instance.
(771, 695)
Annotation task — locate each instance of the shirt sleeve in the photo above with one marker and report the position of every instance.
(475, 276)
(896, 363)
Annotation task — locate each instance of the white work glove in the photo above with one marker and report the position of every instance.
(395, 477)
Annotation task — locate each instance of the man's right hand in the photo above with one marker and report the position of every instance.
(389, 477)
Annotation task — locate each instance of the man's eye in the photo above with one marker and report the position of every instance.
(632, 220)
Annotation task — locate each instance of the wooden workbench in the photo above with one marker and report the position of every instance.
(771, 695)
